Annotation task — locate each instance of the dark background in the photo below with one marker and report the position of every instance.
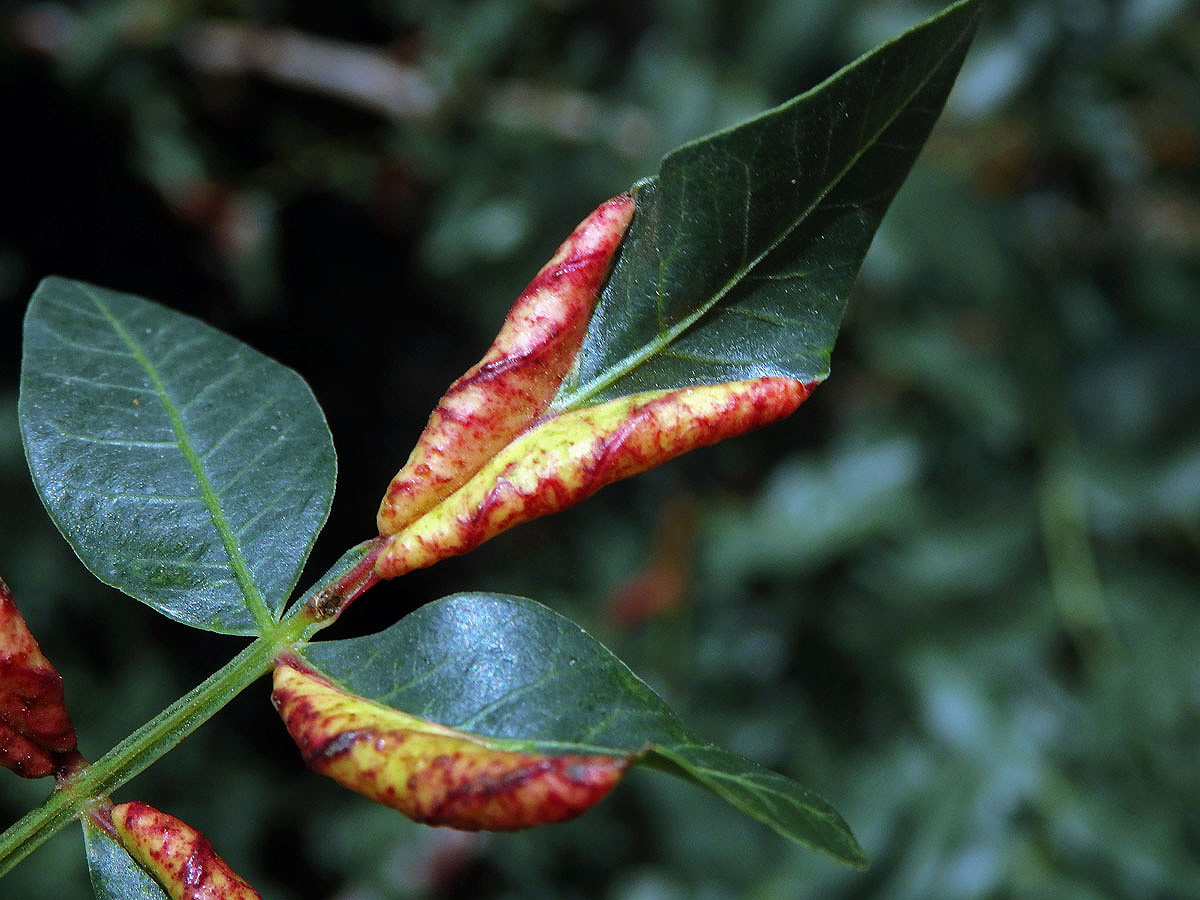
(958, 593)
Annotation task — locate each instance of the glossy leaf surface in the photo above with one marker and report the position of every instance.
(115, 875)
(745, 245)
(184, 468)
(524, 677)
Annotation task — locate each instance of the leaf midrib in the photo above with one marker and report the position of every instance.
(251, 594)
(579, 396)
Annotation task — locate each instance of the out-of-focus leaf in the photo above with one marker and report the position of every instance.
(524, 678)
(812, 510)
(745, 245)
(184, 468)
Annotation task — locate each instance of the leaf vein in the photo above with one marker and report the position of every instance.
(120, 495)
(113, 442)
(250, 591)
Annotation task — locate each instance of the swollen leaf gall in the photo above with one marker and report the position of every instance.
(428, 772)
(506, 391)
(179, 857)
(36, 734)
(569, 457)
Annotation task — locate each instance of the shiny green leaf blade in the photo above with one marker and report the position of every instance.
(502, 667)
(746, 244)
(115, 875)
(184, 468)
(511, 670)
(779, 802)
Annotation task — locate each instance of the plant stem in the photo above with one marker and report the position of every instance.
(88, 786)
(142, 748)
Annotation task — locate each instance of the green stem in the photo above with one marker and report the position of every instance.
(146, 745)
(85, 788)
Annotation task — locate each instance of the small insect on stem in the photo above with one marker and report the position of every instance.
(325, 603)
(330, 600)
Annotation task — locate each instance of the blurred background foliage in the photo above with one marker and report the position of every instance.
(958, 593)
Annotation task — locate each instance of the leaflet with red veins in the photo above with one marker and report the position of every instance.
(506, 391)
(428, 772)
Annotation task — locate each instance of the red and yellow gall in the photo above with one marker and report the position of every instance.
(567, 458)
(502, 394)
(431, 773)
(179, 857)
(36, 734)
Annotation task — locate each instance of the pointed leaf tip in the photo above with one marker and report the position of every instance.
(35, 731)
(502, 394)
(428, 772)
(179, 857)
(568, 457)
